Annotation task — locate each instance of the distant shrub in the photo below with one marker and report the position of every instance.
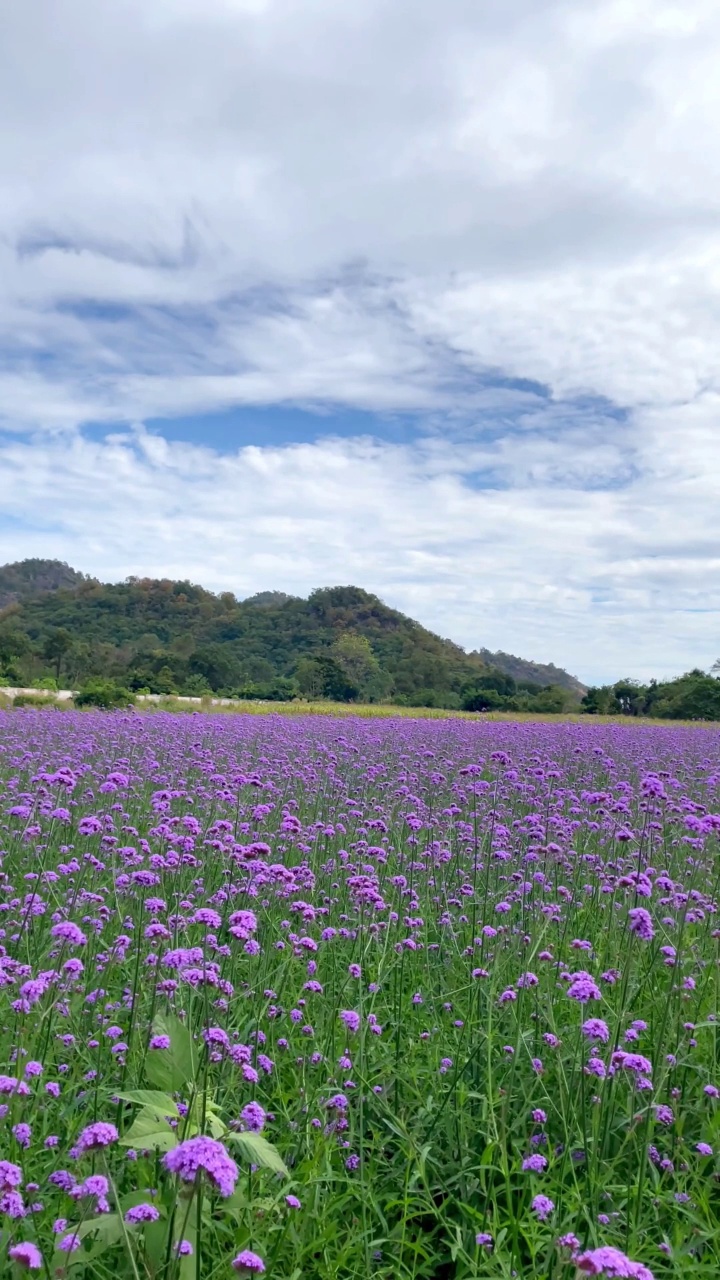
(33, 700)
(106, 694)
(278, 690)
(483, 699)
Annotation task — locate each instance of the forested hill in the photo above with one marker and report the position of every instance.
(165, 636)
(543, 673)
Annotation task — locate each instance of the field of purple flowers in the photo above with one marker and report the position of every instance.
(329, 999)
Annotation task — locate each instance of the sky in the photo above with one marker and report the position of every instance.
(419, 295)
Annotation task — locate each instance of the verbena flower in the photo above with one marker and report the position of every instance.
(10, 1176)
(596, 1029)
(203, 1155)
(27, 1255)
(248, 1263)
(542, 1206)
(142, 1213)
(608, 1261)
(96, 1136)
(253, 1117)
(641, 923)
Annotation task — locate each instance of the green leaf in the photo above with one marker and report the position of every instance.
(105, 1231)
(105, 1225)
(155, 1242)
(161, 1104)
(258, 1150)
(149, 1131)
(215, 1125)
(171, 1068)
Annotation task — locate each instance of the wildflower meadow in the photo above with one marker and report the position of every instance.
(323, 998)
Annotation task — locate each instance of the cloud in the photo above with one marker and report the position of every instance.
(501, 220)
(554, 571)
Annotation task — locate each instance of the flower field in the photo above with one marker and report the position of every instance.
(325, 998)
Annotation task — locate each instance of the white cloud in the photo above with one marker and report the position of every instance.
(554, 572)
(394, 206)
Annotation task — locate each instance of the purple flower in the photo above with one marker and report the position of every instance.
(484, 1240)
(292, 1202)
(96, 1185)
(641, 923)
(632, 1062)
(187, 1159)
(534, 1163)
(10, 1176)
(703, 1148)
(253, 1116)
(248, 1263)
(583, 988)
(69, 1243)
(596, 1029)
(607, 1261)
(26, 1255)
(338, 1102)
(12, 1204)
(22, 1134)
(67, 931)
(96, 1136)
(539, 1116)
(142, 1213)
(543, 1207)
(351, 1019)
(159, 1042)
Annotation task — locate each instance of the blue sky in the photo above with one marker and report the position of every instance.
(419, 296)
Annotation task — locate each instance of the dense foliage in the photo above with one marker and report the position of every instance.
(174, 637)
(694, 696)
(358, 1000)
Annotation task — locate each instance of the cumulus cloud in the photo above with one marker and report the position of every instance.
(499, 219)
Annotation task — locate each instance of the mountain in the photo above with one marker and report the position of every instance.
(30, 577)
(537, 672)
(340, 642)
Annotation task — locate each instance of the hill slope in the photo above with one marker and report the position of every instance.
(543, 673)
(175, 636)
(29, 577)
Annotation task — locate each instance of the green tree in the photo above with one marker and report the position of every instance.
(482, 698)
(106, 694)
(354, 654)
(550, 701)
(321, 676)
(309, 678)
(14, 649)
(57, 644)
(597, 701)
